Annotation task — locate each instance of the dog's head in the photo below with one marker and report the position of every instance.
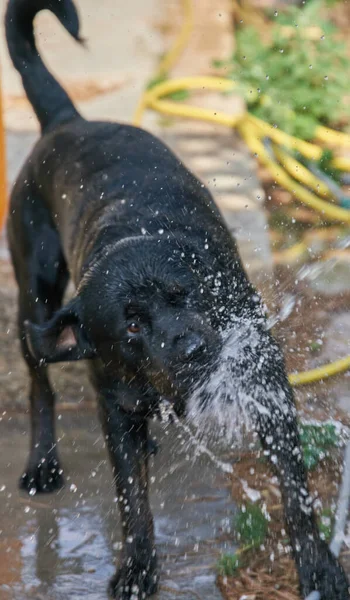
(143, 313)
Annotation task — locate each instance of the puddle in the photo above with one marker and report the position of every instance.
(65, 546)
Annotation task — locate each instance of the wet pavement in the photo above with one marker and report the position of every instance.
(65, 545)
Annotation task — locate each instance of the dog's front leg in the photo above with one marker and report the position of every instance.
(127, 440)
(275, 420)
(317, 567)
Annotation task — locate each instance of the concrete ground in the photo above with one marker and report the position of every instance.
(66, 545)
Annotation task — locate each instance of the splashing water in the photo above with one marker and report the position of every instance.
(168, 414)
(241, 385)
(306, 272)
(285, 311)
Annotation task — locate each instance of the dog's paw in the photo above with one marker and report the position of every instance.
(133, 583)
(42, 474)
(325, 575)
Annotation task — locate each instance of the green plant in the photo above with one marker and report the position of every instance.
(293, 81)
(325, 524)
(250, 525)
(315, 346)
(228, 564)
(325, 165)
(331, 2)
(180, 95)
(316, 441)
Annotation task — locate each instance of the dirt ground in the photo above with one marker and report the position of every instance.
(269, 573)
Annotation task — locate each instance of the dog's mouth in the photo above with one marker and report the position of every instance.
(164, 385)
(177, 387)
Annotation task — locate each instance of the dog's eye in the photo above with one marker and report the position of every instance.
(133, 327)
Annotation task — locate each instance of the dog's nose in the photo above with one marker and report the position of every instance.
(193, 345)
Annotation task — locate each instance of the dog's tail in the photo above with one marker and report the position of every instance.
(51, 103)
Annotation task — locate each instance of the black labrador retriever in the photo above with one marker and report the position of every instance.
(162, 302)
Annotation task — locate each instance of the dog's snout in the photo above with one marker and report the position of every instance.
(191, 345)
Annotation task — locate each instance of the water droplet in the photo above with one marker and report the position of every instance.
(73, 488)
(117, 546)
(32, 491)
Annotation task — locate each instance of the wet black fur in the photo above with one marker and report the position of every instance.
(112, 208)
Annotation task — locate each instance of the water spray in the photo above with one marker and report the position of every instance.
(314, 596)
(343, 506)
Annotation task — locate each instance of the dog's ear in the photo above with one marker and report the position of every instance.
(63, 338)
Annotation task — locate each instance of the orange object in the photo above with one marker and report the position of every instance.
(3, 181)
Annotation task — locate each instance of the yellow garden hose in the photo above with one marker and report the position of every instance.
(291, 254)
(181, 41)
(301, 173)
(330, 212)
(151, 99)
(287, 172)
(329, 136)
(334, 368)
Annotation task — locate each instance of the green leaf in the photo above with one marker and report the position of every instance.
(325, 165)
(251, 525)
(155, 81)
(315, 346)
(228, 564)
(316, 441)
(178, 96)
(302, 82)
(325, 524)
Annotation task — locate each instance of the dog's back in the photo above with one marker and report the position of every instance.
(80, 168)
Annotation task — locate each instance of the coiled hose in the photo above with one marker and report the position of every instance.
(285, 170)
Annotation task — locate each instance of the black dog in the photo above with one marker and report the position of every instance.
(158, 280)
